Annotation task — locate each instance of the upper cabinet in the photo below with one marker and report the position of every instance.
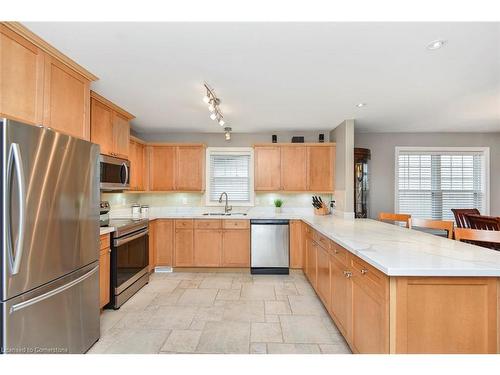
(162, 163)
(109, 126)
(41, 86)
(137, 158)
(295, 167)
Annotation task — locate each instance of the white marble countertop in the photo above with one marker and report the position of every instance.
(106, 230)
(393, 250)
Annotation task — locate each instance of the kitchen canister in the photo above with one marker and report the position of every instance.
(144, 211)
(136, 211)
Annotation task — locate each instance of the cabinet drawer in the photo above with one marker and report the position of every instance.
(207, 224)
(321, 240)
(369, 275)
(339, 253)
(235, 224)
(186, 224)
(105, 241)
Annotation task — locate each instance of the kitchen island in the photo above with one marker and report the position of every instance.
(388, 289)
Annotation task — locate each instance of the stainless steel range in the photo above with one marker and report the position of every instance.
(129, 259)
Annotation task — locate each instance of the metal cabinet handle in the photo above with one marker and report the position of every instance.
(364, 271)
(347, 274)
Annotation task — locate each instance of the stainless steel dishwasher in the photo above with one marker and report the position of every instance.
(270, 243)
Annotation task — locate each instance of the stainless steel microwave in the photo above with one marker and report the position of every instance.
(115, 173)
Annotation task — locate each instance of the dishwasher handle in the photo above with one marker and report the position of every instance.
(269, 222)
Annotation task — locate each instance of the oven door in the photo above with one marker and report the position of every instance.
(114, 174)
(129, 260)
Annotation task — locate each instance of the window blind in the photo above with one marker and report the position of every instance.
(230, 173)
(431, 183)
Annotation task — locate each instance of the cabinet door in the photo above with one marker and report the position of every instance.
(267, 161)
(323, 286)
(296, 244)
(370, 316)
(136, 158)
(104, 277)
(190, 170)
(207, 247)
(101, 126)
(340, 304)
(294, 168)
(66, 100)
(121, 135)
(162, 168)
(164, 242)
(184, 248)
(152, 245)
(320, 168)
(21, 78)
(311, 262)
(236, 248)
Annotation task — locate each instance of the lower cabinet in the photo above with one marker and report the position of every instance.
(296, 244)
(164, 242)
(310, 266)
(184, 248)
(323, 275)
(104, 270)
(207, 247)
(236, 248)
(341, 289)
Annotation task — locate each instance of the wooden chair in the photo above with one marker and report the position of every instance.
(484, 222)
(433, 224)
(395, 218)
(461, 219)
(483, 238)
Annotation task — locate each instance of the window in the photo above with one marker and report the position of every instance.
(432, 181)
(230, 170)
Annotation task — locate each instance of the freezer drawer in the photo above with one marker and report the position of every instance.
(269, 244)
(60, 317)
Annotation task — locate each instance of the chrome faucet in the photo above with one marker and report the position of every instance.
(226, 207)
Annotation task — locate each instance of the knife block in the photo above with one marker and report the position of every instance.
(322, 211)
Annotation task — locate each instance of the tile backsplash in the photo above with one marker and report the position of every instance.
(121, 200)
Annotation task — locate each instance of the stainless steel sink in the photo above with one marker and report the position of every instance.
(224, 214)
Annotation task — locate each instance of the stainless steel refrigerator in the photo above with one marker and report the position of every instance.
(50, 241)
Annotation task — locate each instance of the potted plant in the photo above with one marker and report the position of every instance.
(277, 204)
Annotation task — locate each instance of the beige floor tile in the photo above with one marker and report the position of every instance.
(189, 284)
(277, 307)
(258, 292)
(266, 332)
(307, 305)
(273, 348)
(139, 301)
(198, 297)
(138, 341)
(109, 318)
(182, 341)
(304, 288)
(286, 289)
(172, 317)
(160, 286)
(197, 325)
(272, 319)
(244, 311)
(216, 283)
(135, 319)
(304, 329)
(209, 314)
(166, 299)
(228, 295)
(258, 348)
(337, 348)
(225, 337)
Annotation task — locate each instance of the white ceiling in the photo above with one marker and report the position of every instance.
(292, 76)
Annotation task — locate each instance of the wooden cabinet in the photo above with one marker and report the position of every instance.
(310, 266)
(41, 86)
(109, 126)
(296, 244)
(164, 242)
(267, 161)
(161, 168)
(190, 168)
(21, 78)
(293, 168)
(320, 168)
(340, 300)
(323, 275)
(207, 247)
(152, 246)
(184, 247)
(236, 247)
(104, 270)
(137, 158)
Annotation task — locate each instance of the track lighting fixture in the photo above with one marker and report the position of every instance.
(227, 133)
(213, 106)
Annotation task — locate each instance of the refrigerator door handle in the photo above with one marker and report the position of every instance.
(62, 288)
(15, 160)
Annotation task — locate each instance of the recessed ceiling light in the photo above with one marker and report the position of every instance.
(360, 105)
(436, 44)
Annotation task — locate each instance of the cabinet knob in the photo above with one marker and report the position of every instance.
(109, 250)
(336, 251)
(364, 271)
(347, 274)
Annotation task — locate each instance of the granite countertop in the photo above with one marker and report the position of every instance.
(394, 250)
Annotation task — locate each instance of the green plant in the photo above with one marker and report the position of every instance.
(278, 202)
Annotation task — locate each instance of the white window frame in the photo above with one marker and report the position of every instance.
(485, 173)
(229, 151)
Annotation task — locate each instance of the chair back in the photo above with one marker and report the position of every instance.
(484, 222)
(487, 238)
(433, 224)
(460, 218)
(389, 216)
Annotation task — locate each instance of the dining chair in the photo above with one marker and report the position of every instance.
(447, 226)
(484, 222)
(460, 218)
(395, 218)
(483, 238)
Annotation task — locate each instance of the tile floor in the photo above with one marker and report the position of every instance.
(186, 312)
